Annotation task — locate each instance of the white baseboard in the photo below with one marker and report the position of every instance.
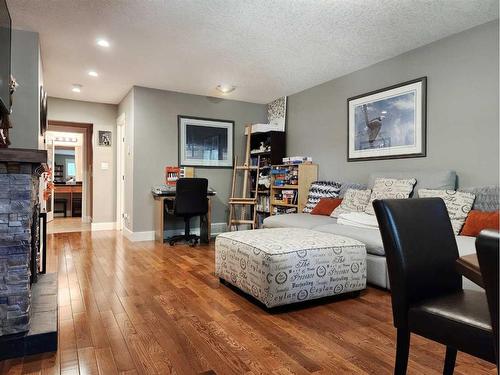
(103, 226)
(217, 228)
(138, 236)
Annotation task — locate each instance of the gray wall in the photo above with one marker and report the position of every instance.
(103, 117)
(25, 110)
(462, 113)
(155, 144)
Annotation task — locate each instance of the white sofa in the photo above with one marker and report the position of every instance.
(376, 263)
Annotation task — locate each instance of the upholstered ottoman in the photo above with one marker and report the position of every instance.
(279, 266)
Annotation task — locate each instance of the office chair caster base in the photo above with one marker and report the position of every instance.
(191, 240)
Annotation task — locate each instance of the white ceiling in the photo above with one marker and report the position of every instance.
(266, 48)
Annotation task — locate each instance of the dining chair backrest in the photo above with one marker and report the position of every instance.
(420, 249)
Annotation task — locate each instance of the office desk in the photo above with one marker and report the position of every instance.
(161, 220)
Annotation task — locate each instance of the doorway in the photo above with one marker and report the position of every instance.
(69, 146)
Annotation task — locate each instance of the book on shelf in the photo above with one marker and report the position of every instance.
(285, 176)
(297, 159)
(263, 204)
(285, 197)
(284, 210)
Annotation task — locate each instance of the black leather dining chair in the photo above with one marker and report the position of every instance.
(487, 247)
(190, 201)
(427, 294)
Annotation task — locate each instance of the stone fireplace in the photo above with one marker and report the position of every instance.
(20, 171)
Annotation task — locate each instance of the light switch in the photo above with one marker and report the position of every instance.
(104, 166)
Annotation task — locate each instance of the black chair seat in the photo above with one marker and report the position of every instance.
(460, 319)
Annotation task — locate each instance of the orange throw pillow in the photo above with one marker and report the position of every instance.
(325, 206)
(478, 220)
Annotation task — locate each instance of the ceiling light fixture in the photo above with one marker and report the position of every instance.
(76, 87)
(93, 73)
(225, 89)
(103, 43)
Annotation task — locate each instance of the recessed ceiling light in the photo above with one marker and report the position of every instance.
(225, 89)
(103, 43)
(76, 87)
(93, 73)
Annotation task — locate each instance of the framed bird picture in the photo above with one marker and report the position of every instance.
(389, 123)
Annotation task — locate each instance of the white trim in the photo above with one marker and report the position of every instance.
(120, 170)
(216, 228)
(103, 226)
(148, 235)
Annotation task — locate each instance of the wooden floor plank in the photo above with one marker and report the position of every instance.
(147, 308)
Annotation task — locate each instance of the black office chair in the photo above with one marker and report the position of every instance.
(427, 294)
(190, 201)
(487, 247)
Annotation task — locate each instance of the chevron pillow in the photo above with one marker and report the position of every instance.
(318, 190)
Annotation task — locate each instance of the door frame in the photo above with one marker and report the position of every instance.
(87, 129)
(51, 161)
(120, 170)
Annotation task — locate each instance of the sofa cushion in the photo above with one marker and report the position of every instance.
(479, 220)
(390, 188)
(321, 189)
(350, 185)
(299, 220)
(466, 245)
(486, 197)
(438, 180)
(353, 201)
(370, 237)
(326, 206)
(457, 203)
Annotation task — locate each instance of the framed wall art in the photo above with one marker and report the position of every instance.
(389, 123)
(104, 138)
(205, 142)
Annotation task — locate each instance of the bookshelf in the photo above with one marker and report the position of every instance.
(269, 148)
(58, 172)
(290, 187)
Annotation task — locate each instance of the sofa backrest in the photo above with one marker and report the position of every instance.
(437, 180)
(487, 197)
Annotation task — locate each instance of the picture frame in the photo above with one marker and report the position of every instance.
(205, 142)
(389, 123)
(105, 138)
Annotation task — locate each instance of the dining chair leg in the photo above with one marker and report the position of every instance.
(449, 360)
(402, 351)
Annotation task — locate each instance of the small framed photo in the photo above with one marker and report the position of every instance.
(205, 143)
(389, 123)
(105, 138)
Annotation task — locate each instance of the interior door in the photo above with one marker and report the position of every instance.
(49, 205)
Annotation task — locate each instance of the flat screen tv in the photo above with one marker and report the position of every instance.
(5, 45)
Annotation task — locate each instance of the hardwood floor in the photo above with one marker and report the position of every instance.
(67, 224)
(144, 308)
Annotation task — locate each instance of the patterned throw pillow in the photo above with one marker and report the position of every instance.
(318, 190)
(390, 188)
(354, 201)
(457, 203)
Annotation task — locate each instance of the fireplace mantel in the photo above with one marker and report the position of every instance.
(23, 155)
